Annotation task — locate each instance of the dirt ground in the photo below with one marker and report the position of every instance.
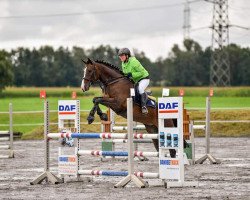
(228, 180)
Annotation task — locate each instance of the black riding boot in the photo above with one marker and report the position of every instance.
(144, 99)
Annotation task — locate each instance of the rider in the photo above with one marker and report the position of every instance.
(133, 69)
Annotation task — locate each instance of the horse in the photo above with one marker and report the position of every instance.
(116, 89)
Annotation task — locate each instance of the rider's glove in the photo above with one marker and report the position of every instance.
(129, 75)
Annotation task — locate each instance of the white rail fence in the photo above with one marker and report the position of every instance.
(99, 123)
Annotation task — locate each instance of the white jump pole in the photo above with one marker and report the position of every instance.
(208, 156)
(191, 128)
(46, 175)
(130, 177)
(8, 137)
(11, 154)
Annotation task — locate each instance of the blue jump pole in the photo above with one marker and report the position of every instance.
(85, 135)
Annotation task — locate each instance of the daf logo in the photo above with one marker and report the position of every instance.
(173, 105)
(67, 107)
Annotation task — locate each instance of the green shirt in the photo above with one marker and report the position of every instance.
(134, 67)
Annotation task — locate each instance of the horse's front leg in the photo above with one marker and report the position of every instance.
(103, 116)
(104, 101)
(92, 112)
(96, 108)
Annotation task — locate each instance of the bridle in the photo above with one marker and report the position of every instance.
(90, 81)
(106, 83)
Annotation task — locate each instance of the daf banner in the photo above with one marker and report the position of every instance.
(67, 109)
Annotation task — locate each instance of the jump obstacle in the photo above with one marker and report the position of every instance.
(6, 138)
(169, 168)
(188, 133)
(110, 126)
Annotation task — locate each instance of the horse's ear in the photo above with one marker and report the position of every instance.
(89, 61)
(84, 61)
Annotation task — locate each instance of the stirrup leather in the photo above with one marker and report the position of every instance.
(144, 110)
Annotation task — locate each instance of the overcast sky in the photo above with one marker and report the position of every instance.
(152, 26)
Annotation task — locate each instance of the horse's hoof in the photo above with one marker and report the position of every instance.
(94, 99)
(90, 119)
(104, 117)
(143, 159)
(172, 153)
(63, 141)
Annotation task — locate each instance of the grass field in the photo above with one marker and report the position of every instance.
(230, 104)
(36, 104)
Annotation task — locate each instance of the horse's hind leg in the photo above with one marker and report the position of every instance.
(154, 129)
(172, 153)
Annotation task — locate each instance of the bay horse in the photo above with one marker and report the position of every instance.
(116, 89)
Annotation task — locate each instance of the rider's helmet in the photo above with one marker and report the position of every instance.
(125, 51)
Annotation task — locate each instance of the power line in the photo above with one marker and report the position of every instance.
(238, 26)
(200, 28)
(94, 12)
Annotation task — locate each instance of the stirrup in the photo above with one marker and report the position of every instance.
(144, 110)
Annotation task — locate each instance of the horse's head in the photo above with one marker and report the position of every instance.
(90, 74)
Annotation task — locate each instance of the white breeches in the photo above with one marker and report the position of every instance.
(143, 84)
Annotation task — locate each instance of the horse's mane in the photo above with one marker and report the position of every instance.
(110, 66)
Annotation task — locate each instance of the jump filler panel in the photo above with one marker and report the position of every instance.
(170, 113)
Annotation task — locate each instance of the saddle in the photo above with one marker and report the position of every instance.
(151, 101)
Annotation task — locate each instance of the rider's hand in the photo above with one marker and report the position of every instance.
(129, 75)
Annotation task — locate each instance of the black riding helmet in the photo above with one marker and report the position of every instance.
(125, 51)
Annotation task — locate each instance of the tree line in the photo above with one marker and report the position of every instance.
(187, 66)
